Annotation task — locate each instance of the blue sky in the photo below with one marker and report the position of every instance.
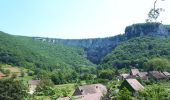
(74, 18)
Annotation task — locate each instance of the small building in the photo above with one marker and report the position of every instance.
(1, 75)
(143, 75)
(156, 75)
(132, 85)
(134, 72)
(32, 84)
(91, 89)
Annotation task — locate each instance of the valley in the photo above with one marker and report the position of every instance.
(53, 68)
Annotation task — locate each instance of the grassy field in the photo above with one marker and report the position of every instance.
(60, 91)
(69, 87)
(17, 70)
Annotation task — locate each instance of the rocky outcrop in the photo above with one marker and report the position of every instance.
(146, 29)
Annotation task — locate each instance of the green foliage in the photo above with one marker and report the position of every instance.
(29, 53)
(12, 90)
(106, 74)
(124, 94)
(137, 51)
(63, 92)
(159, 64)
(113, 90)
(64, 76)
(153, 92)
(45, 88)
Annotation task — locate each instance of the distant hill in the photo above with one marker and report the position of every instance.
(96, 49)
(26, 52)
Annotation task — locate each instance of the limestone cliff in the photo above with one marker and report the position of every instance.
(96, 49)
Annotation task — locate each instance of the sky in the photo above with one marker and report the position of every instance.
(75, 19)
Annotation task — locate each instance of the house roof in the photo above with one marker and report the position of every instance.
(95, 96)
(142, 74)
(94, 88)
(134, 71)
(135, 84)
(34, 82)
(125, 75)
(166, 73)
(157, 74)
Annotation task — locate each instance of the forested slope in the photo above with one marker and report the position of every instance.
(25, 52)
(136, 51)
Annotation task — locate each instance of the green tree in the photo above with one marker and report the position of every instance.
(106, 74)
(153, 92)
(124, 94)
(159, 64)
(45, 88)
(22, 73)
(12, 90)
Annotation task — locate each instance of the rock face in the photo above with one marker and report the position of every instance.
(97, 48)
(149, 29)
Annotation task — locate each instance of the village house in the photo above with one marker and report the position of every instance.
(32, 84)
(132, 85)
(91, 89)
(133, 74)
(1, 75)
(88, 92)
(156, 75)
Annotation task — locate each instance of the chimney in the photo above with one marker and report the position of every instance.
(96, 87)
(81, 90)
